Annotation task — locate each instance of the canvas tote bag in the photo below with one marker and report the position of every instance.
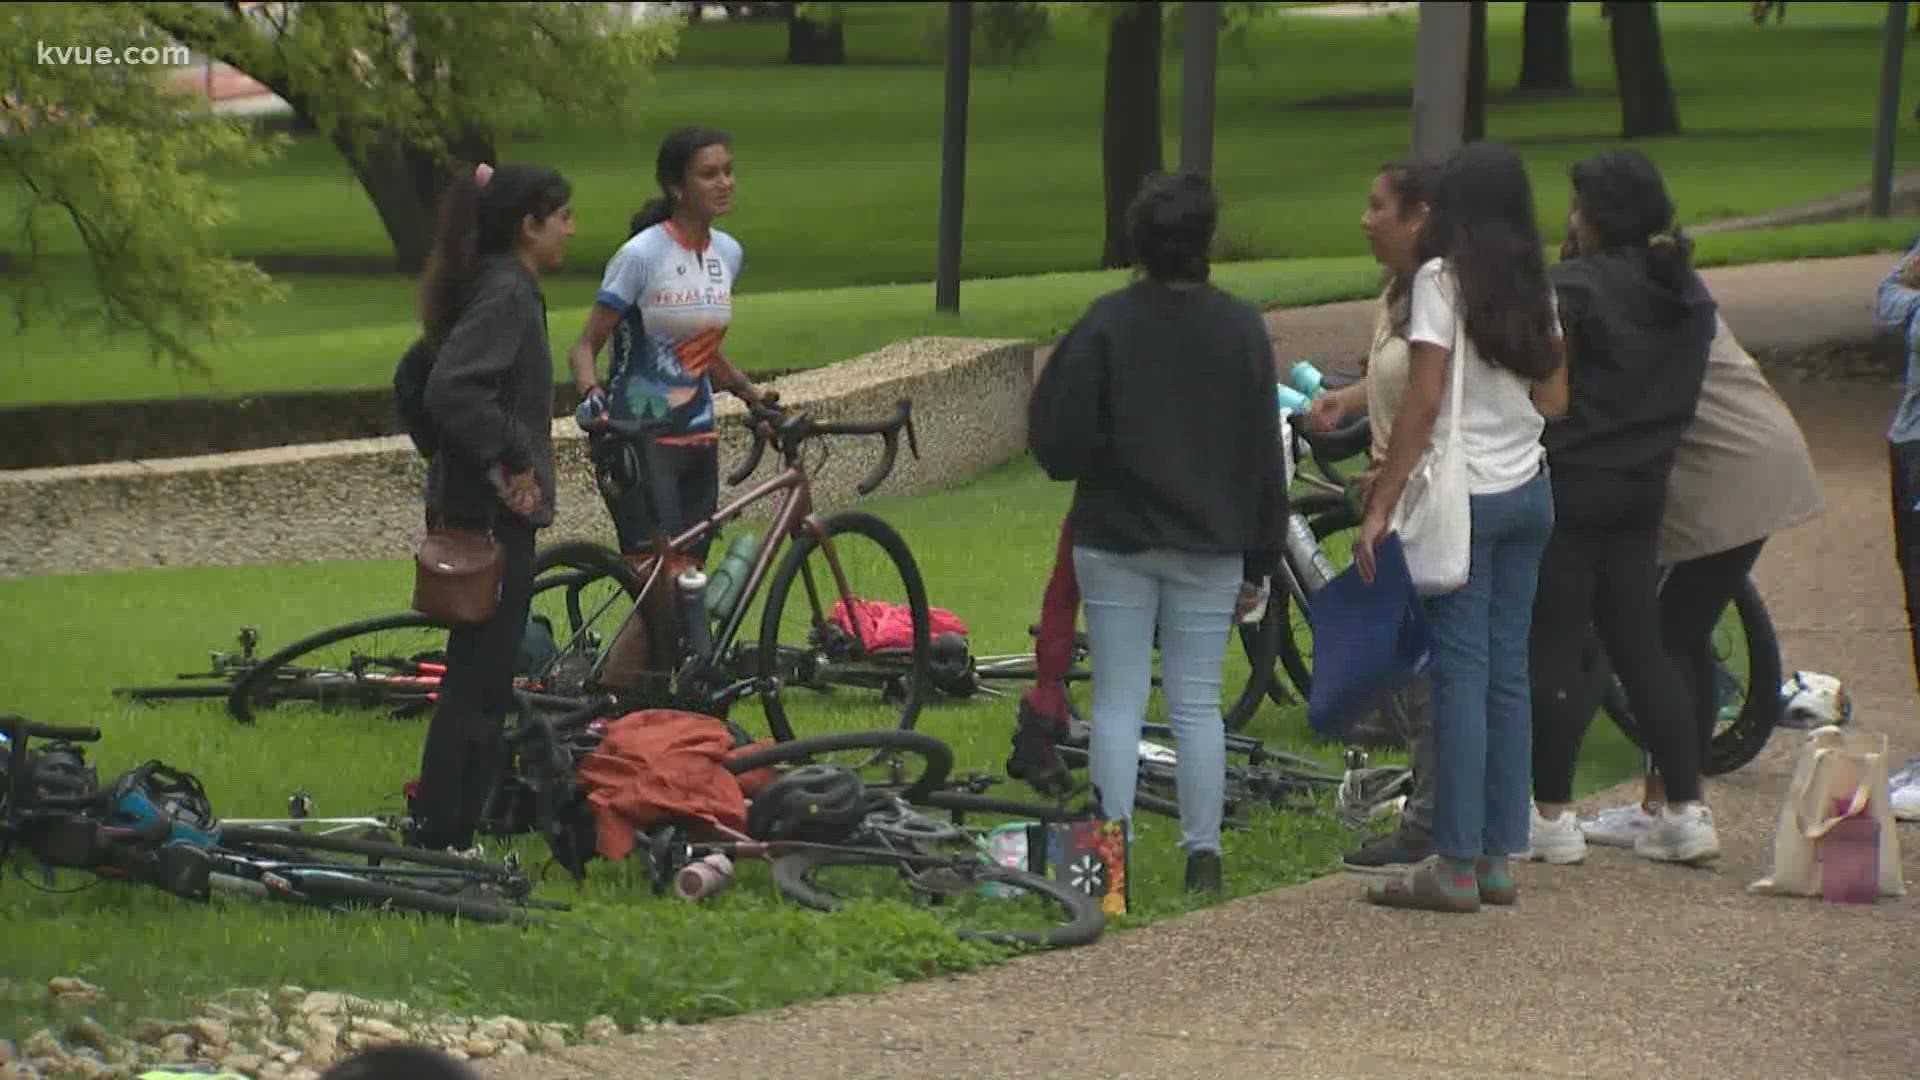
(1835, 765)
(1434, 518)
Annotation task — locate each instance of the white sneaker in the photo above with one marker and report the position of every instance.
(1559, 841)
(1903, 789)
(1619, 826)
(1684, 836)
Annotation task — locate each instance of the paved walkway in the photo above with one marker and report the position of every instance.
(1615, 968)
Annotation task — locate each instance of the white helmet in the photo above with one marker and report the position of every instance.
(1810, 700)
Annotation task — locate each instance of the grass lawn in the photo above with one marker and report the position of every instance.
(839, 167)
(340, 333)
(984, 548)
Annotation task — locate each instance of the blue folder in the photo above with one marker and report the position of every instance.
(1368, 640)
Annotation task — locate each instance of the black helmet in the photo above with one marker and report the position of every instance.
(58, 770)
(818, 803)
(950, 666)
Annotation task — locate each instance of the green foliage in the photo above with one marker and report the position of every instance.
(107, 155)
(420, 74)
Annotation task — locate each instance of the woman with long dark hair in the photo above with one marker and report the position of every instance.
(666, 301)
(490, 397)
(1399, 203)
(1145, 404)
(1641, 323)
(1480, 299)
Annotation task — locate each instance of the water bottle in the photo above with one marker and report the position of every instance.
(1306, 379)
(1289, 399)
(704, 877)
(693, 587)
(730, 577)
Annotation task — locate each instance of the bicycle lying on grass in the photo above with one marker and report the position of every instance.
(834, 814)
(154, 826)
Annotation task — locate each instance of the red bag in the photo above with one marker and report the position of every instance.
(890, 626)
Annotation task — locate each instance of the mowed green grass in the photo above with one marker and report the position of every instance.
(346, 333)
(985, 549)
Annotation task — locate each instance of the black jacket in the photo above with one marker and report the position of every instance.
(1638, 355)
(1160, 404)
(491, 399)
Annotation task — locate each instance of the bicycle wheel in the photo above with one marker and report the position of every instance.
(837, 576)
(1748, 708)
(818, 878)
(869, 749)
(586, 592)
(366, 663)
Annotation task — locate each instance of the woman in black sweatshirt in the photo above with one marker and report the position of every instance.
(1639, 323)
(1159, 404)
(490, 399)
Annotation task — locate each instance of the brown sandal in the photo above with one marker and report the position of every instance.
(1420, 890)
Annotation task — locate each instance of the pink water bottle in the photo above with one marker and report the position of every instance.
(702, 878)
(1850, 858)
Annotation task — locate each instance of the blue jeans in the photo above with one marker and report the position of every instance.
(1482, 696)
(1188, 599)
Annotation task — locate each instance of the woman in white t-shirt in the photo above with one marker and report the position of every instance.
(1480, 298)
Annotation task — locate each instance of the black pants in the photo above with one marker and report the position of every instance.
(1607, 579)
(1904, 469)
(463, 753)
(678, 488)
(1695, 596)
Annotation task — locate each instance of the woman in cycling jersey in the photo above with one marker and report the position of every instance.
(1640, 323)
(1743, 473)
(666, 301)
(1397, 209)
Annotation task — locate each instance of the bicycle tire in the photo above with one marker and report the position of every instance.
(915, 674)
(252, 690)
(1260, 642)
(1311, 570)
(792, 875)
(1735, 746)
(347, 889)
(938, 757)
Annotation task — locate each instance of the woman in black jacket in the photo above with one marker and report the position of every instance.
(1159, 403)
(490, 397)
(1640, 323)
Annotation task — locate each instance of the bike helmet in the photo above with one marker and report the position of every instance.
(155, 791)
(58, 770)
(950, 666)
(817, 803)
(1810, 700)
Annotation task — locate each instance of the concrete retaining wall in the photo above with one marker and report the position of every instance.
(360, 499)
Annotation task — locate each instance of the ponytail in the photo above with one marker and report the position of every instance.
(1670, 258)
(655, 212)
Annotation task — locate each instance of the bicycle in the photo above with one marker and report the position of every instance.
(890, 771)
(1328, 509)
(708, 669)
(153, 826)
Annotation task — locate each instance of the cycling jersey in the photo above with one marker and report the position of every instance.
(675, 305)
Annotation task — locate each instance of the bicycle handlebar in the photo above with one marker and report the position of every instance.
(17, 727)
(792, 429)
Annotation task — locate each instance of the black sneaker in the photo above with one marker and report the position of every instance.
(1035, 758)
(1407, 847)
(1203, 872)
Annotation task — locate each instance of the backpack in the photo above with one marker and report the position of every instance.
(410, 396)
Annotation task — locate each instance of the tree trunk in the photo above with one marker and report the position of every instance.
(1474, 128)
(404, 184)
(1640, 70)
(1546, 49)
(1130, 124)
(810, 42)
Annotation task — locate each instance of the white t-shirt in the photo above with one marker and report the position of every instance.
(1499, 426)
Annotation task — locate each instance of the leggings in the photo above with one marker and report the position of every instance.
(1691, 602)
(1904, 469)
(463, 751)
(1606, 578)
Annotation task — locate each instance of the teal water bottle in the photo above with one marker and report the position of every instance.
(730, 577)
(1305, 378)
(1290, 399)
